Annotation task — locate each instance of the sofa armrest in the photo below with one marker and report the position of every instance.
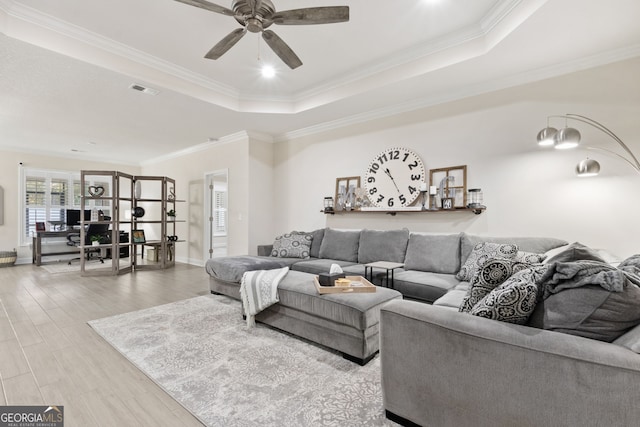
(264, 250)
(441, 367)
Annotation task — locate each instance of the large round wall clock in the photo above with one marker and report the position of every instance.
(394, 177)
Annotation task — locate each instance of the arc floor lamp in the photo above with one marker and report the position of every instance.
(567, 138)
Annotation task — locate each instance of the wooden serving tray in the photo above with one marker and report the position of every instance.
(365, 287)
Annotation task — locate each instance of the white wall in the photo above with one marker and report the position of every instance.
(529, 191)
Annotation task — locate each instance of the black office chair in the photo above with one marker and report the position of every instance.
(73, 239)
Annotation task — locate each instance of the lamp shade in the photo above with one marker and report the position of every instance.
(545, 136)
(587, 167)
(566, 138)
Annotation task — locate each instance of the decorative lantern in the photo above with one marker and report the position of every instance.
(474, 198)
(328, 205)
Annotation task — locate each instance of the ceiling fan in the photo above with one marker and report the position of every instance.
(257, 15)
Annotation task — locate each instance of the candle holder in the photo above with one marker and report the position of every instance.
(424, 199)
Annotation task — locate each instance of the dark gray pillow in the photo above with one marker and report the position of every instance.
(434, 253)
(389, 245)
(575, 252)
(592, 312)
(316, 242)
(340, 245)
(513, 301)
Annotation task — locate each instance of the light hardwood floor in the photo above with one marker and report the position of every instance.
(50, 356)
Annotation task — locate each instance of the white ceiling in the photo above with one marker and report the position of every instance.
(66, 67)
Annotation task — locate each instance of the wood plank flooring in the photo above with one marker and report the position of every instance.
(50, 356)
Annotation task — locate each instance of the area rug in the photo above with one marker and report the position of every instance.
(201, 352)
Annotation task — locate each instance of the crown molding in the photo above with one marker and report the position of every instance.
(468, 91)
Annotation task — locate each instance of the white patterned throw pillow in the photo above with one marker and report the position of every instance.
(292, 245)
(481, 253)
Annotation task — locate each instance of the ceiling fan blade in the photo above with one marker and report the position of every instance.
(226, 43)
(312, 15)
(208, 6)
(281, 49)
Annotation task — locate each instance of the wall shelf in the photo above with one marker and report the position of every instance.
(393, 212)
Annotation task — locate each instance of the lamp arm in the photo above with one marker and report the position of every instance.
(615, 154)
(635, 163)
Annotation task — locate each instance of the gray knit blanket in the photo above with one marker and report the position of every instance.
(259, 290)
(565, 275)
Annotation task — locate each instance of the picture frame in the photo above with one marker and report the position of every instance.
(345, 185)
(40, 226)
(456, 184)
(138, 236)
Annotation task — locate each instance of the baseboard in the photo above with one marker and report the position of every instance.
(400, 420)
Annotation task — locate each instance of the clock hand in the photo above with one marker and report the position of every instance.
(392, 180)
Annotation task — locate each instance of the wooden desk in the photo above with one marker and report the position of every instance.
(36, 252)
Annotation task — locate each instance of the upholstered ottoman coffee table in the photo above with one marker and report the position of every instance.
(346, 322)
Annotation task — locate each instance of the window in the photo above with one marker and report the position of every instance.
(48, 194)
(220, 213)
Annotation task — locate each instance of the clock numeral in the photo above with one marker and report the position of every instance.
(373, 191)
(403, 199)
(374, 168)
(413, 165)
(394, 155)
(381, 198)
(406, 155)
(371, 179)
(412, 189)
(416, 177)
(390, 202)
(382, 159)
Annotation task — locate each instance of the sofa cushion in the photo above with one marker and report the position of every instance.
(512, 302)
(340, 245)
(630, 340)
(537, 245)
(358, 310)
(423, 285)
(388, 245)
(231, 269)
(592, 312)
(434, 253)
(481, 253)
(574, 252)
(492, 274)
(292, 245)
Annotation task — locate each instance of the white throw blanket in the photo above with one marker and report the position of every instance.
(259, 290)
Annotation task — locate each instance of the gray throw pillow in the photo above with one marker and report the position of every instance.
(340, 245)
(575, 252)
(388, 245)
(292, 245)
(481, 253)
(492, 274)
(529, 257)
(513, 301)
(592, 312)
(316, 242)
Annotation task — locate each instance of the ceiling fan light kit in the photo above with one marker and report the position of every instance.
(256, 16)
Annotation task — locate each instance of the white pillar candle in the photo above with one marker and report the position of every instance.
(423, 186)
(433, 190)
